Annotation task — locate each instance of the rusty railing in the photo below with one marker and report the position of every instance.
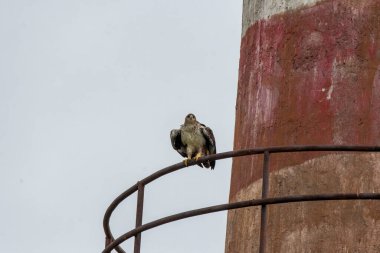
(114, 244)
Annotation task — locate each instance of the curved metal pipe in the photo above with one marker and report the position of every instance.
(219, 156)
(236, 205)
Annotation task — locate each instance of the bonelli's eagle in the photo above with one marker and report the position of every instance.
(194, 140)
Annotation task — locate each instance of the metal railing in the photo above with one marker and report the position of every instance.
(114, 244)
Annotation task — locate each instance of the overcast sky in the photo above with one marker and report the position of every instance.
(89, 90)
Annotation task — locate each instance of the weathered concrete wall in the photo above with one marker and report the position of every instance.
(309, 74)
(343, 226)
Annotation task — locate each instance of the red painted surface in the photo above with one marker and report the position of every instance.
(310, 76)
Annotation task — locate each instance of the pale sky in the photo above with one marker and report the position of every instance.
(89, 91)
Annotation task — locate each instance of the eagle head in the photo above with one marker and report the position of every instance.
(190, 119)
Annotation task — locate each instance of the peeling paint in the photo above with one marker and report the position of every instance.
(308, 74)
(328, 97)
(306, 78)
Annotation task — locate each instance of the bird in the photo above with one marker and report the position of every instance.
(194, 140)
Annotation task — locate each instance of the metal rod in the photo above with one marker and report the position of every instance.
(264, 194)
(241, 204)
(139, 216)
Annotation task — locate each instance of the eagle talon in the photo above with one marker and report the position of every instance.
(199, 155)
(186, 161)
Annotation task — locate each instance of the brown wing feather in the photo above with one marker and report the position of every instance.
(175, 138)
(210, 143)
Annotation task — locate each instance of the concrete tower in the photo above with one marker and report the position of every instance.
(309, 74)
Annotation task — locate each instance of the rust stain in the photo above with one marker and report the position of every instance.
(309, 76)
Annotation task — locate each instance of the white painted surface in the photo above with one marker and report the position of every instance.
(254, 10)
(330, 92)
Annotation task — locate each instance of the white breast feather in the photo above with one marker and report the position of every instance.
(192, 136)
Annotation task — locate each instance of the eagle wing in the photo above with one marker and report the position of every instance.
(175, 137)
(210, 142)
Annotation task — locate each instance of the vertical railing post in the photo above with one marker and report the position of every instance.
(264, 194)
(139, 215)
